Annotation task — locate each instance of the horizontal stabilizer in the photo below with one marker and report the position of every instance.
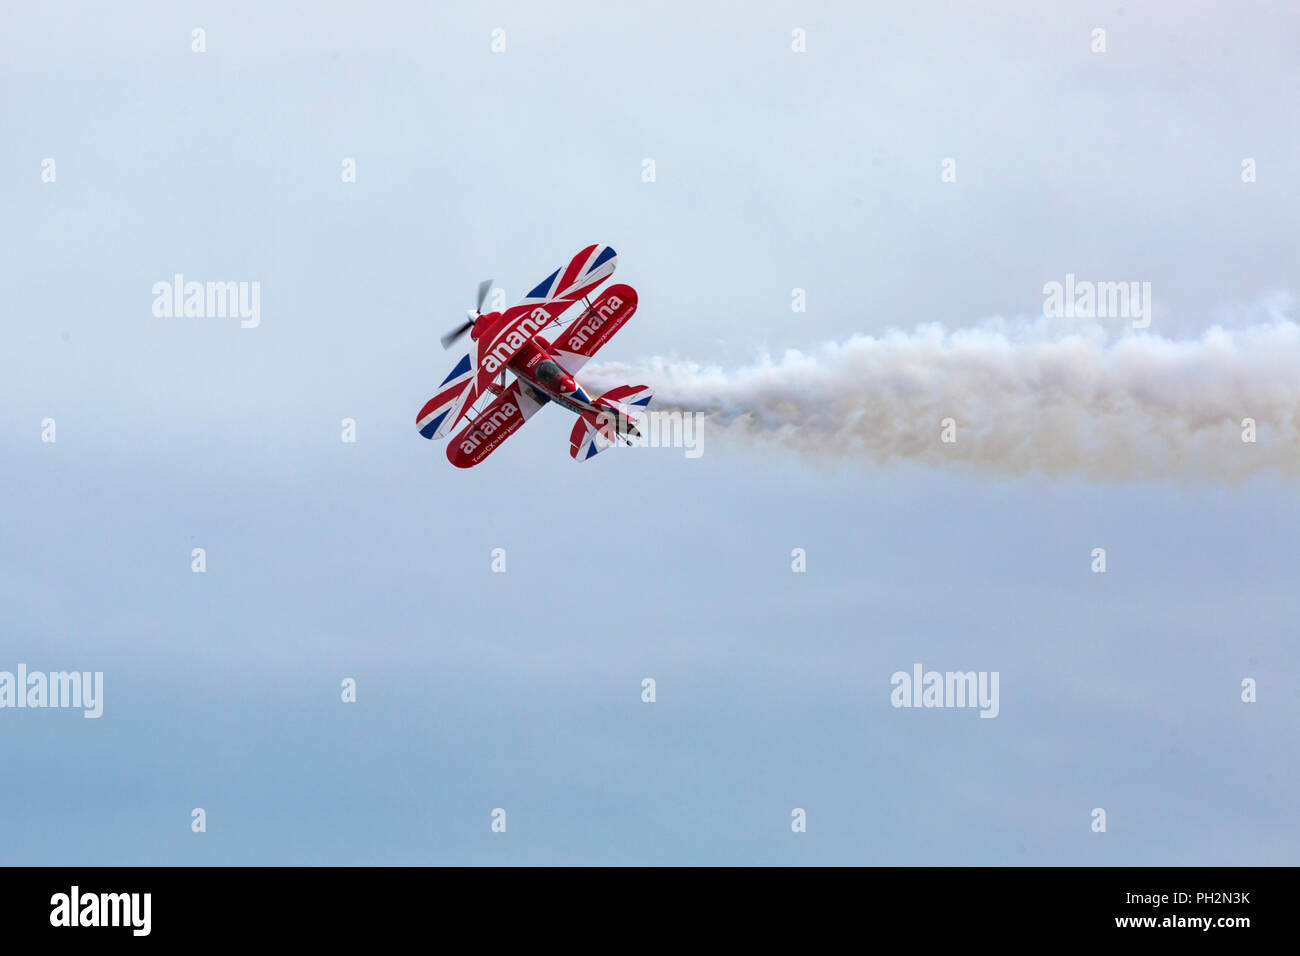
(593, 432)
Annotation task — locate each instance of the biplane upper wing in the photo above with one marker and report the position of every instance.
(584, 338)
(588, 269)
(440, 413)
(544, 303)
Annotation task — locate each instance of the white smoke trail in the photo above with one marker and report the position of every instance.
(1022, 400)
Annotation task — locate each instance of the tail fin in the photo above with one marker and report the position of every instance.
(593, 432)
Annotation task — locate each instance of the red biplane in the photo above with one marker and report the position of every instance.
(543, 368)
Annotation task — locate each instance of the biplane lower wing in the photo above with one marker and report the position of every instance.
(574, 346)
(500, 419)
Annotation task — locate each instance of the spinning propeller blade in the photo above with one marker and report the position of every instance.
(451, 337)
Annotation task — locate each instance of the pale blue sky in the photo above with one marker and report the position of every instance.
(522, 690)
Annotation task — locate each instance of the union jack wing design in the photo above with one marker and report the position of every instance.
(441, 412)
(585, 271)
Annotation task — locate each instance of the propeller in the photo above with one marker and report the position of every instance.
(451, 337)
